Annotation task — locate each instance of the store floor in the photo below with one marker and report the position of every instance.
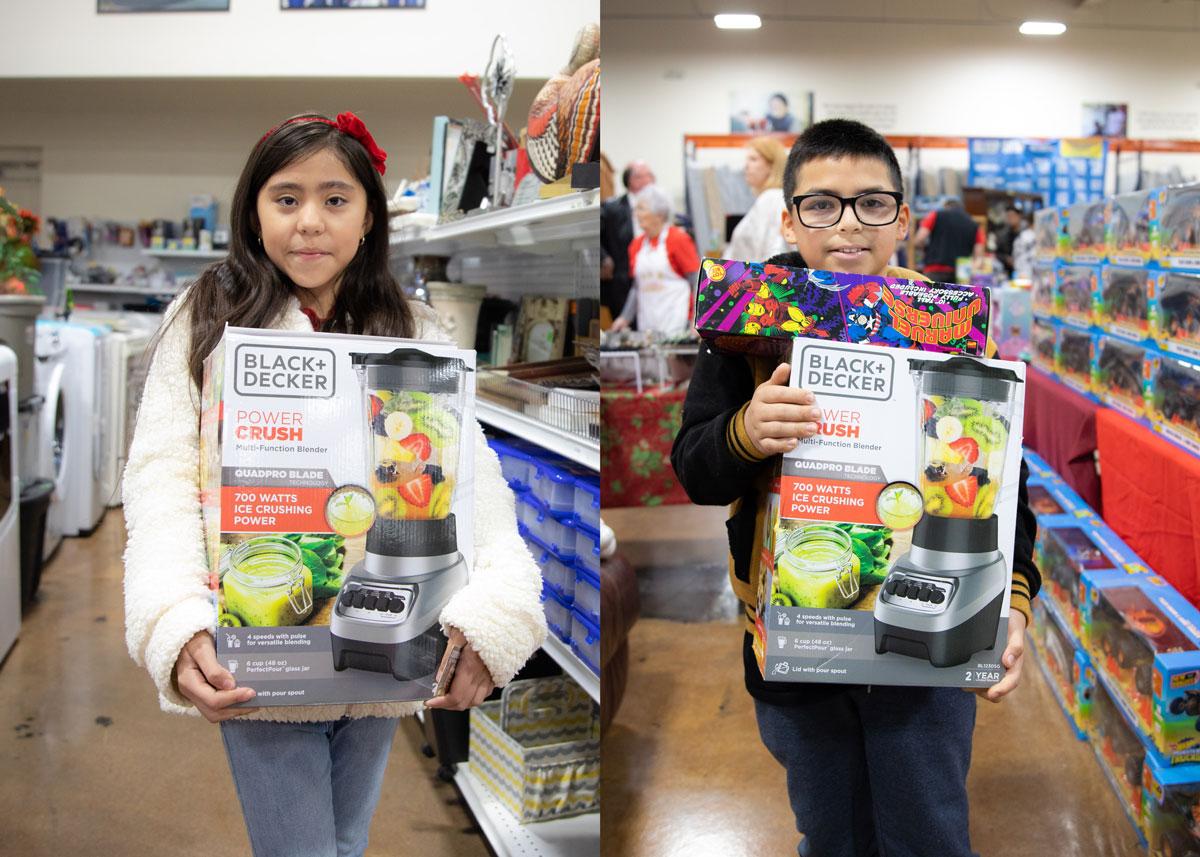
(685, 772)
(92, 766)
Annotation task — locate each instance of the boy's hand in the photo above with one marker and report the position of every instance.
(779, 415)
(1014, 656)
(210, 687)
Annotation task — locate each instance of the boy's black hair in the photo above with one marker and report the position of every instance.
(838, 138)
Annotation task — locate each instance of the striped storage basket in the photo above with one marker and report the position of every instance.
(538, 748)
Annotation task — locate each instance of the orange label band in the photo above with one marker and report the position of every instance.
(274, 510)
(829, 500)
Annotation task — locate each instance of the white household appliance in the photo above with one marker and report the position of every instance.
(125, 369)
(10, 505)
(86, 431)
(51, 447)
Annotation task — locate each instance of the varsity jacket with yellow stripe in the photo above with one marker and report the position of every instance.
(718, 464)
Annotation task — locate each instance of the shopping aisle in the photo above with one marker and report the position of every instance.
(685, 770)
(102, 765)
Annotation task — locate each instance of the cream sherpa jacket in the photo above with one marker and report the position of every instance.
(166, 595)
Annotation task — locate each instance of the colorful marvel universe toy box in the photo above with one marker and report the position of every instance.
(1127, 221)
(1119, 375)
(1073, 355)
(1123, 301)
(1075, 295)
(1175, 312)
(756, 308)
(1068, 546)
(1085, 234)
(1171, 807)
(887, 553)
(1142, 636)
(337, 486)
(1174, 403)
(1060, 660)
(1175, 235)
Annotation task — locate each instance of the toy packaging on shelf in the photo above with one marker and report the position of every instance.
(1038, 465)
(1076, 293)
(1041, 292)
(1171, 808)
(1043, 343)
(1174, 403)
(1128, 217)
(1174, 312)
(756, 308)
(918, 451)
(337, 488)
(1048, 228)
(1069, 545)
(1085, 234)
(1050, 497)
(1073, 358)
(1142, 636)
(1012, 313)
(1120, 751)
(1176, 239)
(1123, 302)
(1119, 375)
(1056, 654)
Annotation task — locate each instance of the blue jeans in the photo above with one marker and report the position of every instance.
(879, 771)
(308, 789)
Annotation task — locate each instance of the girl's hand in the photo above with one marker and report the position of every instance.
(210, 687)
(1013, 659)
(471, 684)
(779, 415)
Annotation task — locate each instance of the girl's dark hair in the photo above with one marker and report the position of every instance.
(247, 290)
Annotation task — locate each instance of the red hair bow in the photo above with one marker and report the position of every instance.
(351, 126)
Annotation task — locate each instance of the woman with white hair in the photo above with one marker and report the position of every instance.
(662, 266)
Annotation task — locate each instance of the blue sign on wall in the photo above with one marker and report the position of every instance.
(1062, 171)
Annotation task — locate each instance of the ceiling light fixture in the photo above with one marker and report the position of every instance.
(737, 22)
(1043, 28)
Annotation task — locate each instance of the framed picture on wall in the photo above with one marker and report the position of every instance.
(351, 4)
(121, 6)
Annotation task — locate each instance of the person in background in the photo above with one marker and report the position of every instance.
(1006, 235)
(948, 235)
(779, 117)
(617, 230)
(758, 236)
(663, 262)
(608, 187)
(1024, 247)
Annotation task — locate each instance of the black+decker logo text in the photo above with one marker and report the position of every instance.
(836, 372)
(276, 370)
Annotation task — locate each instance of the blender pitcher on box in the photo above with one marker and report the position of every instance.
(942, 600)
(386, 617)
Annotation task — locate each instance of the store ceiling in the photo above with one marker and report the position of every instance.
(1092, 14)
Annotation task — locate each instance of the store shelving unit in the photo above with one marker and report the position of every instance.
(543, 227)
(197, 255)
(577, 836)
(558, 227)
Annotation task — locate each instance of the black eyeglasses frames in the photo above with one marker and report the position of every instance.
(822, 210)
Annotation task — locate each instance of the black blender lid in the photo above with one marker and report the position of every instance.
(964, 367)
(411, 368)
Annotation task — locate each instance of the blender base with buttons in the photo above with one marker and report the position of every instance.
(942, 604)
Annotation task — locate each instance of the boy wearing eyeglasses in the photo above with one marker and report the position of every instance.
(869, 769)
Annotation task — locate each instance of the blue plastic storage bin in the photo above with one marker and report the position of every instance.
(586, 591)
(554, 482)
(516, 461)
(585, 640)
(558, 614)
(587, 502)
(587, 548)
(559, 574)
(557, 535)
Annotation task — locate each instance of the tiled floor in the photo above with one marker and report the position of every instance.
(89, 765)
(685, 773)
